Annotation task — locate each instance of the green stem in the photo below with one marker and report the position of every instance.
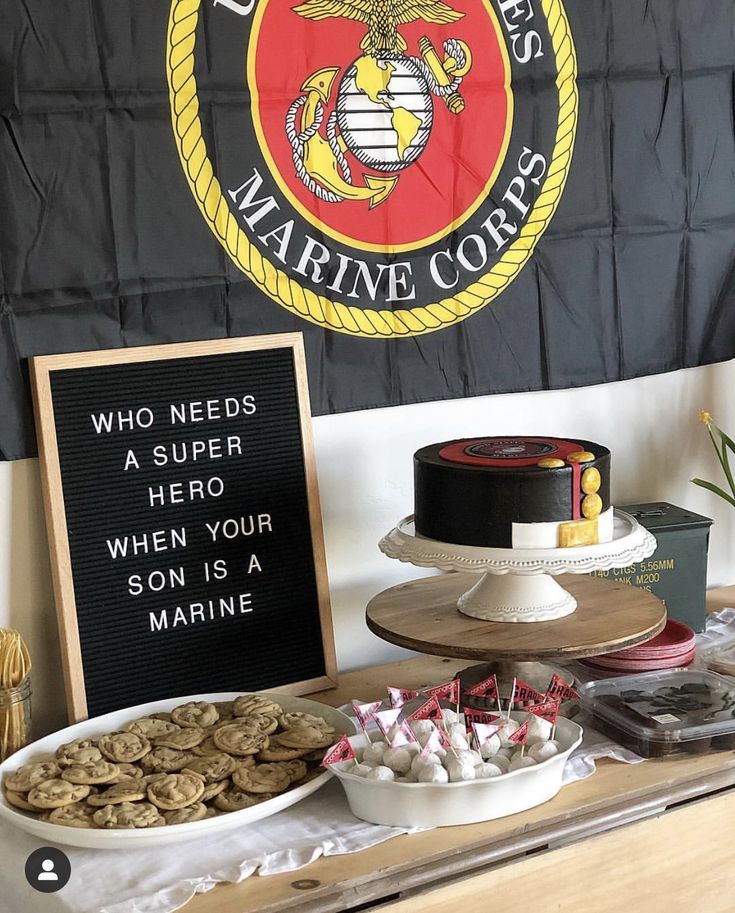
(727, 444)
(710, 486)
(722, 456)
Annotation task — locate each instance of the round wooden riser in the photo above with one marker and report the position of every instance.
(422, 615)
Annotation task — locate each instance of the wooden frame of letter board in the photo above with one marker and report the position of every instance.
(41, 369)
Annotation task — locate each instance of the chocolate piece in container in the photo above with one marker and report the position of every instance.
(658, 714)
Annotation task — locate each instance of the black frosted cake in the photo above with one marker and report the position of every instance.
(514, 492)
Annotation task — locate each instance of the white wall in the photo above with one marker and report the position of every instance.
(365, 475)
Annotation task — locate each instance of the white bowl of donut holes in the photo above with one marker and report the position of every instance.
(400, 788)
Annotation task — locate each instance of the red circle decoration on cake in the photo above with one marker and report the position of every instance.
(507, 452)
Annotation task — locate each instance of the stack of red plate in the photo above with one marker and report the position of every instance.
(675, 646)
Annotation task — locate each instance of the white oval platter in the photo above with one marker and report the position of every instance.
(157, 836)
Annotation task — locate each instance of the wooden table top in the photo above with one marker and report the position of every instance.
(616, 794)
(422, 615)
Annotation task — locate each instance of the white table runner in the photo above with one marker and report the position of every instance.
(163, 879)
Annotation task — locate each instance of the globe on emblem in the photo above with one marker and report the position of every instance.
(385, 111)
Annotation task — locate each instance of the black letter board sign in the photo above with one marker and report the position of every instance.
(184, 521)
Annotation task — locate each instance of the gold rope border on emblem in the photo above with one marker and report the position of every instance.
(343, 318)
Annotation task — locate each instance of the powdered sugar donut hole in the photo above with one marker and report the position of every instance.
(538, 730)
(433, 773)
(501, 761)
(490, 747)
(381, 773)
(463, 769)
(374, 752)
(542, 751)
(509, 727)
(398, 759)
(486, 770)
(518, 761)
(422, 760)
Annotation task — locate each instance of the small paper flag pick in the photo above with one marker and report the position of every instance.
(483, 731)
(548, 710)
(520, 735)
(342, 751)
(488, 688)
(429, 710)
(364, 713)
(524, 694)
(386, 718)
(449, 691)
(477, 716)
(559, 689)
(403, 735)
(401, 696)
(437, 739)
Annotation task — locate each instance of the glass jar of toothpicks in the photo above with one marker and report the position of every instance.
(15, 693)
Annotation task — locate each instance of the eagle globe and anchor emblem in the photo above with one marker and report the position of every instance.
(376, 113)
(384, 101)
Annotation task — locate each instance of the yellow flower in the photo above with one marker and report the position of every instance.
(705, 418)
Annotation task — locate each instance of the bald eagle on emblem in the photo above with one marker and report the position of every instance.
(382, 18)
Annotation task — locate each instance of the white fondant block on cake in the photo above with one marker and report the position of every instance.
(536, 535)
(546, 535)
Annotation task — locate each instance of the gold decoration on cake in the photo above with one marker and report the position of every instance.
(578, 532)
(591, 481)
(581, 456)
(584, 532)
(550, 463)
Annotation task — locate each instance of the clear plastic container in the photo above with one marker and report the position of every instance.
(720, 658)
(15, 718)
(659, 714)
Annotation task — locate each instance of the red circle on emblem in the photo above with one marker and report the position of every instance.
(506, 452)
(417, 170)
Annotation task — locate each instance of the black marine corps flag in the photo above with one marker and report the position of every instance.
(448, 197)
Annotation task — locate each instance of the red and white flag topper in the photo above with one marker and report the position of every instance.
(520, 735)
(559, 689)
(403, 735)
(366, 712)
(437, 739)
(386, 719)
(483, 731)
(548, 710)
(429, 710)
(524, 694)
(477, 716)
(401, 696)
(488, 688)
(342, 751)
(449, 691)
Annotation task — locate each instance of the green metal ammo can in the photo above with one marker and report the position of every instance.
(677, 570)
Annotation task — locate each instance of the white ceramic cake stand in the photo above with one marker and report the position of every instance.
(518, 585)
